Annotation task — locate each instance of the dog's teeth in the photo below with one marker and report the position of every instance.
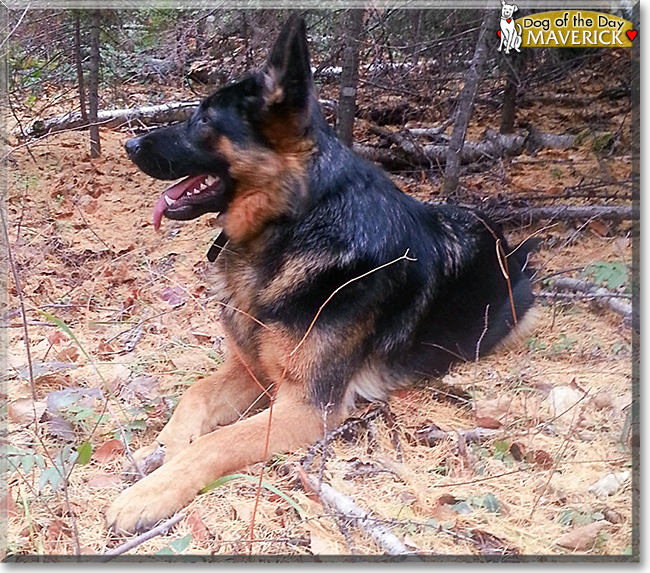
(169, 200)
(201, 188)
(210, 180)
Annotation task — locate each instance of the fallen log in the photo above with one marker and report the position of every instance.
(149, 115)
(604, 297)
(347, 507)
(389, 158)
(527, 215)
(114, 118)
(491, 146)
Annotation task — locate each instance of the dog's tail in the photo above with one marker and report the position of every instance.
(519, 27)
(523, 251)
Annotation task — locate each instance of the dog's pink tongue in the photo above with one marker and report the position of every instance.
(173, 192)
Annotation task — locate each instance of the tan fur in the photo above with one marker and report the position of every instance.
(294, 423)
(526, 325)
(266, 185)
(293, 274)
(217, 400)
(274, 91)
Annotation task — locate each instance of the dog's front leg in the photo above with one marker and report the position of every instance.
(295, 423)
(217, 400)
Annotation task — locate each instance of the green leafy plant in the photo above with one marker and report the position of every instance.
(225, 479)
(177, 546)
(12, 458)
(610, 275)
(575, 517)
(63, 463)
(502, 452)
(474, 502)
(536, 344)
(563, 344)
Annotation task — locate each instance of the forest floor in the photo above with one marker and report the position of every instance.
(122, 319)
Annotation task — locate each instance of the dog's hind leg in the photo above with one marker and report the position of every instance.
(295, 422)
(217, 400)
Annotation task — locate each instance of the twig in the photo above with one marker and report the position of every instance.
(21, 300)
(478, 351)
(16, 26)
(102, 241)
(158, 530)
(578, 296)
(434, 434)
(344, 427)
(567, 242)
(345, 505)
(73, 519)
(137, 333)
(322, 306)
(551, 473)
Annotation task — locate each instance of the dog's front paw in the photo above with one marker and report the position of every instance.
(156, 497)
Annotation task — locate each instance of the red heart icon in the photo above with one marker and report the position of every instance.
(499, 33)
(509, 20)
(631, 34)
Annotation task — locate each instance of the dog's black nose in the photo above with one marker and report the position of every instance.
(132, 147)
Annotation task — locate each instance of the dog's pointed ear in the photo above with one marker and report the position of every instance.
(287, 74)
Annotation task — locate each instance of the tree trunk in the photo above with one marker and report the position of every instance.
(466, 103)
(416, 23)
(510, 95)
(516, 63)
(78, 62)
(349, 76)
(93, 84)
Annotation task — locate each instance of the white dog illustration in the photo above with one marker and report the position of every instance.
(510, 36)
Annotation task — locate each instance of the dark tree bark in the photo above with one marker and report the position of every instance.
(93, 84)
(509, 108)
(466, 103)
(516, 63)
(416, 24)
(78, 63)
(349, 76)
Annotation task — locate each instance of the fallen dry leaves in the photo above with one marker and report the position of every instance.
(108, 451)
(581, 538)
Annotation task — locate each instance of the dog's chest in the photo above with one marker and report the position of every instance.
(236, 285)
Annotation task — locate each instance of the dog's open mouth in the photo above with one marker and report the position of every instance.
(190, 198)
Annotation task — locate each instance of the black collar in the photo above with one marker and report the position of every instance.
(217, 246)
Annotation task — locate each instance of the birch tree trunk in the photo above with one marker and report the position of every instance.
(78, 63)
(349, 76)
(93, 84)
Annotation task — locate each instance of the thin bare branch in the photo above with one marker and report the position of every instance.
(158, 530)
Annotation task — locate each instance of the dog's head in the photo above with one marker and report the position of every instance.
(507, 10)
(250, 136)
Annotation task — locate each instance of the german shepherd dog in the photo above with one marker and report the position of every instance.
(335, 283)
